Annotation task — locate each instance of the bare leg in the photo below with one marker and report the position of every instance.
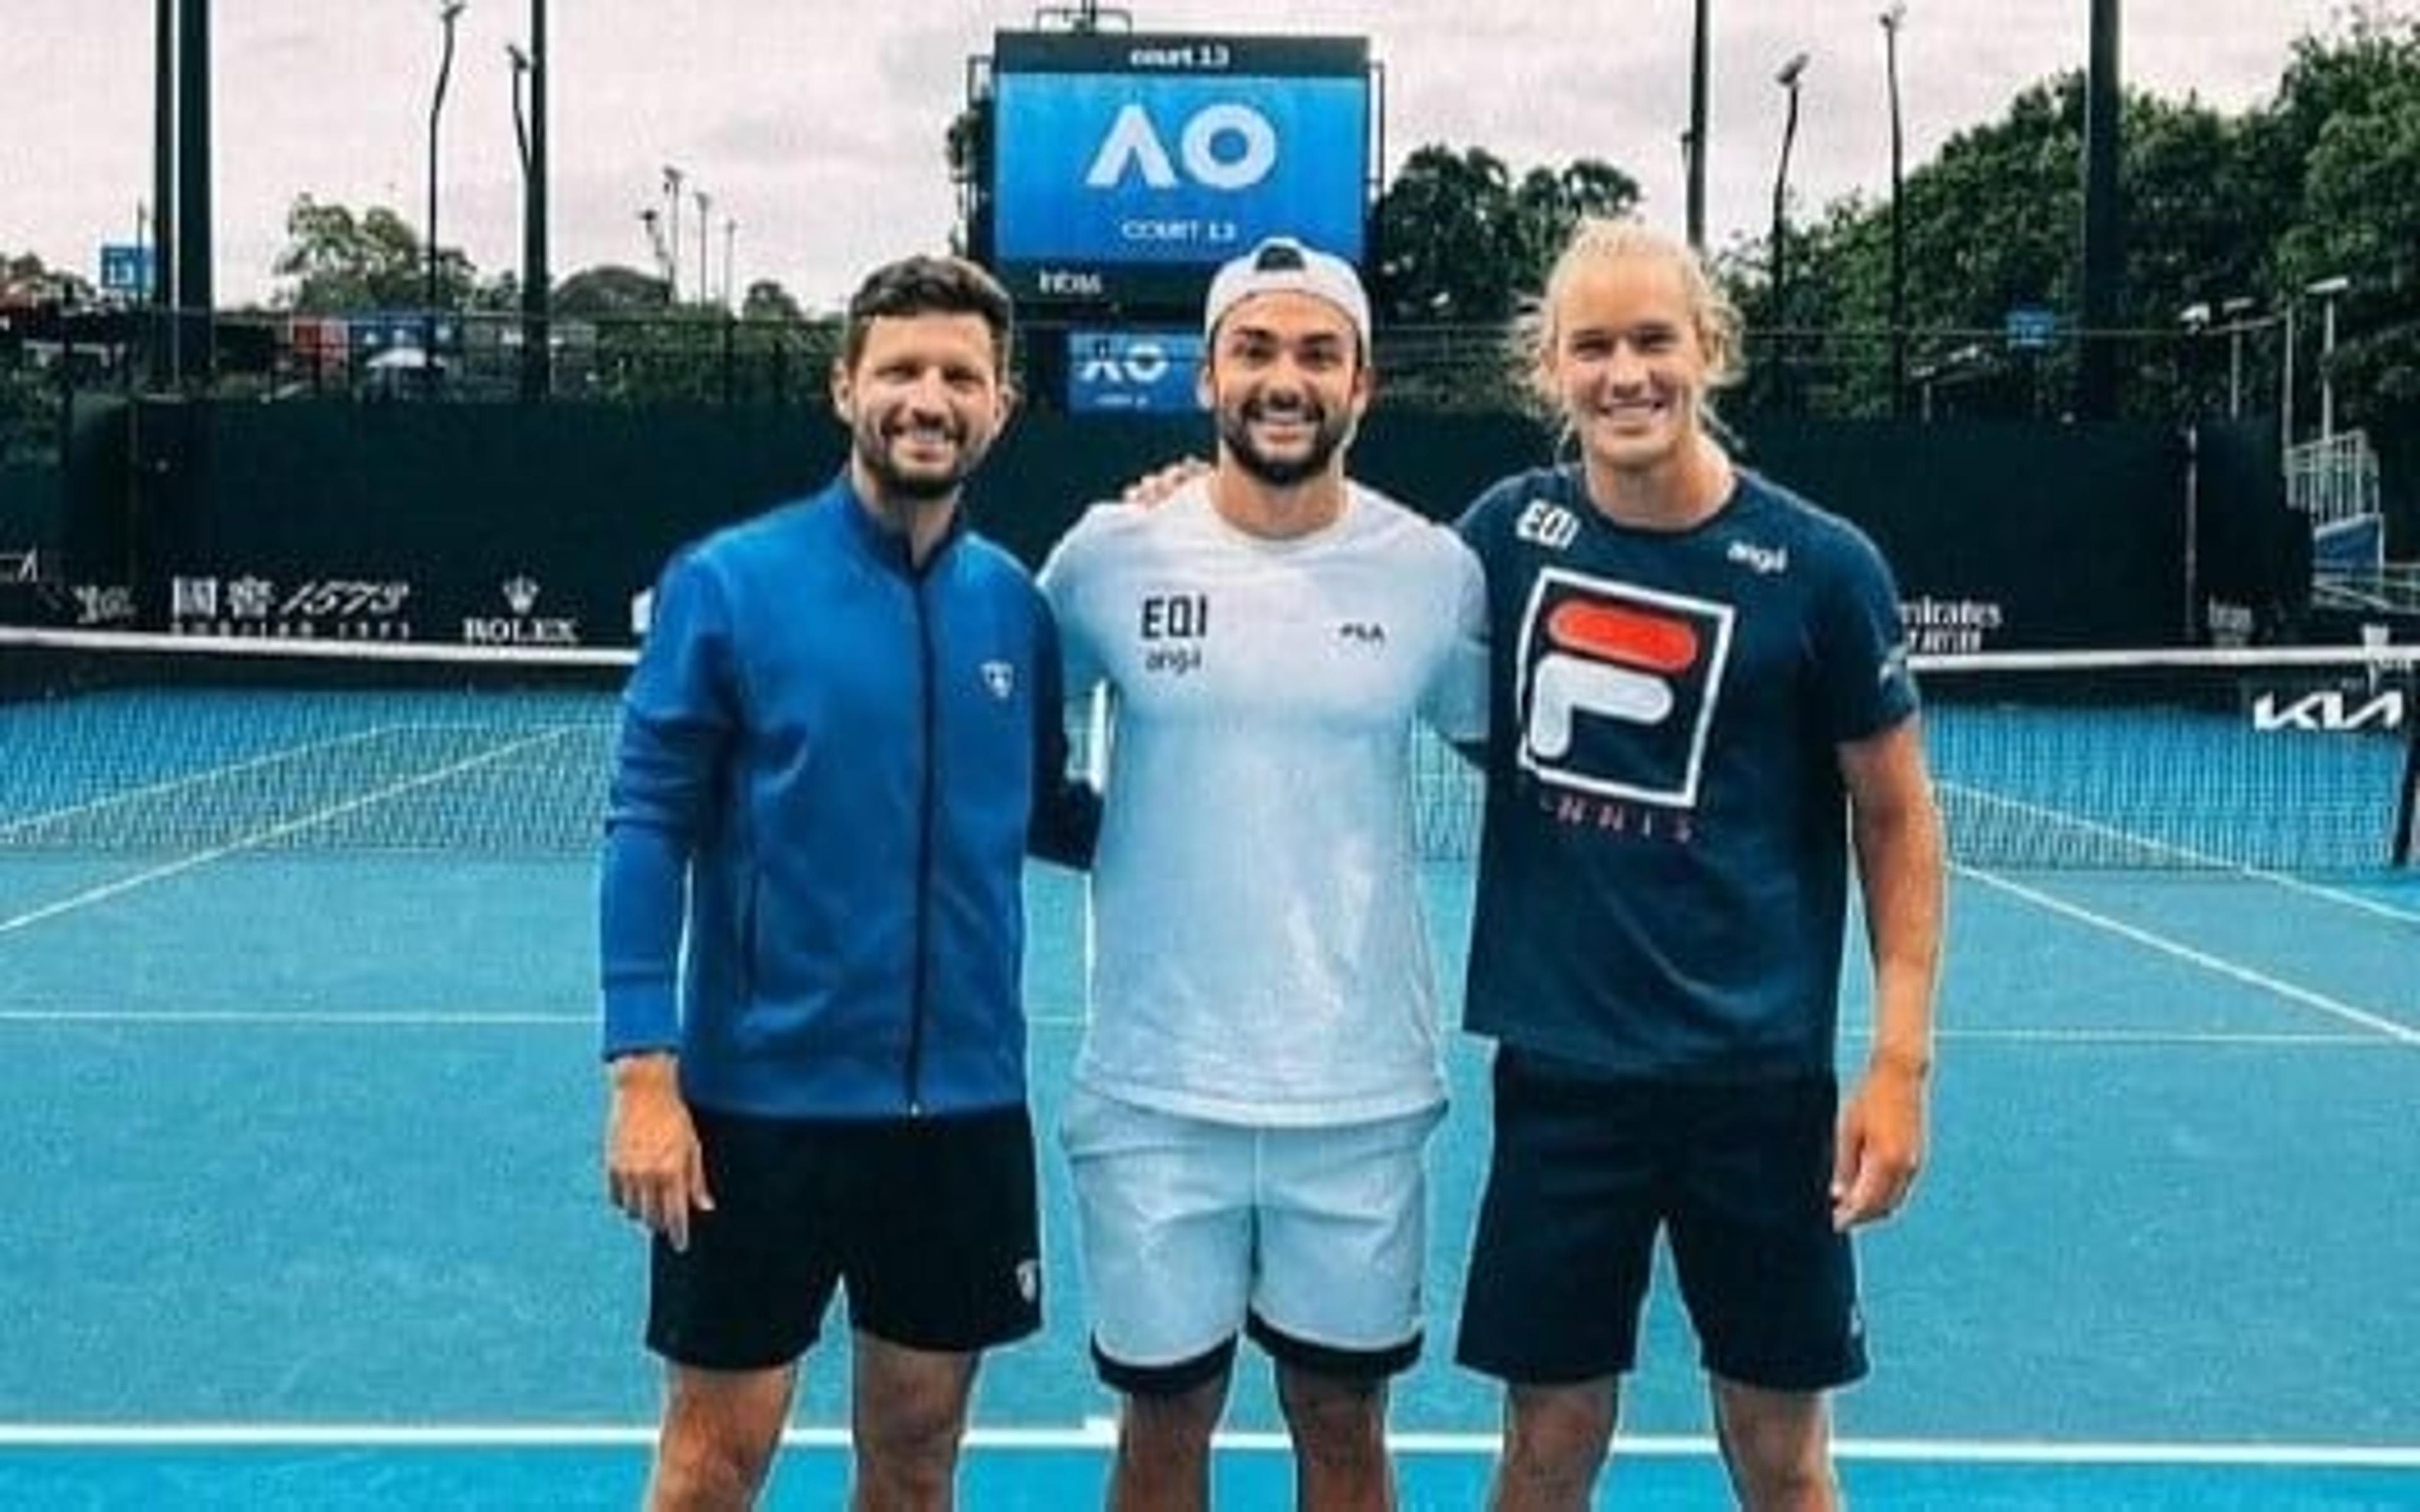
(1163, 1456)
(909, 1414)
(719, 1430)
(1339, 1442)
(1555, 1439)
(1777, 1446)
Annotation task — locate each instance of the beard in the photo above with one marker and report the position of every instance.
(1328, 435)
(877, 447)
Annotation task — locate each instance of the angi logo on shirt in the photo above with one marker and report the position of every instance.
(1617, 687)
(1173, 627)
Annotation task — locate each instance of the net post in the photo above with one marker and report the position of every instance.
(2406, 820)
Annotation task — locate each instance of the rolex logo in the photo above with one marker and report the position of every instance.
(521, 593)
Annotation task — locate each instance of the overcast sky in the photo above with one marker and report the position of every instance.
(816, 125)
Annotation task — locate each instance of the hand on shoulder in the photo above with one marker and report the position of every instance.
(1155, 486)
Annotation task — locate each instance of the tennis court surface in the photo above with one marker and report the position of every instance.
(302, 1182)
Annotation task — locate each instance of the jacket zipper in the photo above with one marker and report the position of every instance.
(915, 1068)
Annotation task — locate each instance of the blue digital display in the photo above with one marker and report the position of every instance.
(127, 269)
(1112, 181)
(1133, 372)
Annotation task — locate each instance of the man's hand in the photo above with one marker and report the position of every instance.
(1881, 1143)
(654, 1170)
(1154, 488)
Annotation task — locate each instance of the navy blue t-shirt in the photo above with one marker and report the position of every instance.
(1664, 874)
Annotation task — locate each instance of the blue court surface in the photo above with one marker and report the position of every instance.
(303, 1203)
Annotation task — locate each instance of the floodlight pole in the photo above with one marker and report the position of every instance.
(448, 12)
(1788, 78)
(1696, 139)
(1892, 20)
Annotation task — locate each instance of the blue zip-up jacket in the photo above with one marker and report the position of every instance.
(840, 761)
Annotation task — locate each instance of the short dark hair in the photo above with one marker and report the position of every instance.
(930, 286)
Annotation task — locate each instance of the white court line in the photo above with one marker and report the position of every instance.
(208, 774)
(2400, 1032)
(1099, 1434)
(415, 1019)
(223, 1018)
(2186, 852)
(258, 838)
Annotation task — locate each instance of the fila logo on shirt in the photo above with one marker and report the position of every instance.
(1617, 687)
(1173, 627)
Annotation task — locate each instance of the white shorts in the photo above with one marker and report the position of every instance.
(1312, 1238)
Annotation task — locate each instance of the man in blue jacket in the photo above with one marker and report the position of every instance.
(840, 741)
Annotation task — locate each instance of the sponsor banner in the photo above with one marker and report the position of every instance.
(520, 597)
(259, 606)
(2347, 705)
(1937, 625)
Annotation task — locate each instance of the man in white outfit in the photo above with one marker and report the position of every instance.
(1260, 1077)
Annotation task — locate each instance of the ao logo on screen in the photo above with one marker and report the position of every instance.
(1225, 147)
(1142, 362)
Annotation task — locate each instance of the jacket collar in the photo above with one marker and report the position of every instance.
(881, 544)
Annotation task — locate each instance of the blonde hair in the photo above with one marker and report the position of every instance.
(1600, 240)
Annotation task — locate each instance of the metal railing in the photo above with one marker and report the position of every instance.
(2335, 479)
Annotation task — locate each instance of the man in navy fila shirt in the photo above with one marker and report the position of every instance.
(1700, 710)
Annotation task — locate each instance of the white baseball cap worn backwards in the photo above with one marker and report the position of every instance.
(1284, 264)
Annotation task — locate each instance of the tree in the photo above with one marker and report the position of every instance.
(2353, 112)
(611, 289)
(769, 301)
(341, 263)
(1993, 224)
(1460, 242)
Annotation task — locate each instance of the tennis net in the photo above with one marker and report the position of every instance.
(2300, 760)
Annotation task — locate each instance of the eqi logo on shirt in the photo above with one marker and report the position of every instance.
(1173, 627)
(1618, 686)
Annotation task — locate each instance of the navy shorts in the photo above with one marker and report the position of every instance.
(1586, 1171)
(929, 1223)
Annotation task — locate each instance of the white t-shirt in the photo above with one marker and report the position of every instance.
(1257, 948)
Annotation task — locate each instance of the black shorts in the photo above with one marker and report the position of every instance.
(930, 1223)
(1586, 1171)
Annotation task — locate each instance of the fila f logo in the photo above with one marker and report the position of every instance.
(1618, 686)
(1225, 147)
